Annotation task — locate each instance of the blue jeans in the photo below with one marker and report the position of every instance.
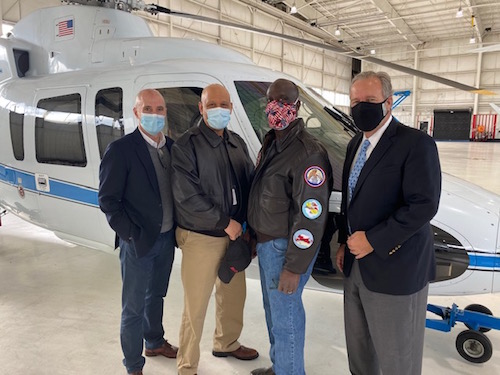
(145, 283)
(285, 315)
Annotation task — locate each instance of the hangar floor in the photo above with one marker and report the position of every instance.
(60, 304)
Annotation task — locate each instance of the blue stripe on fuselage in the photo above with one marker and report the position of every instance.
(484, 261)
(58, 189)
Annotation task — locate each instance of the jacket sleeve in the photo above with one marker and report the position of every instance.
(113, 174)
(311, 188)
(191, 202)
(421, 189)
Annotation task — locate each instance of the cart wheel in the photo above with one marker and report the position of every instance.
(475, 307)
(474, 346)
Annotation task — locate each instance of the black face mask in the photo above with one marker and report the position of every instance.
(368, 115)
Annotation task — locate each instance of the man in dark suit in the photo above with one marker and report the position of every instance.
(135, 193)
(390, 192)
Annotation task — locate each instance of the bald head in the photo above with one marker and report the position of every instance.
(214, 96)
(283, 90)
(149, 101)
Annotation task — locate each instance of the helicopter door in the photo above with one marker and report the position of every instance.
(63, 167)
(182, 95)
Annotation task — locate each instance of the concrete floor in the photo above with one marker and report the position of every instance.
(60, 304)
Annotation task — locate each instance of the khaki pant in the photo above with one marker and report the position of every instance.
(201, 256)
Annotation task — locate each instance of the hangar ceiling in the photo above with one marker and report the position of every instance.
(391, 23)
(363, 25)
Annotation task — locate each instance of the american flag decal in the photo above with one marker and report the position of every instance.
(65, 28)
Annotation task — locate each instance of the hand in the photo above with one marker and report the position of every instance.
(358, 244)
(233, 229)
(339, 258)
(289, 282)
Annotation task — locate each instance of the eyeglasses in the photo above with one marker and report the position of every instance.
(163, 159)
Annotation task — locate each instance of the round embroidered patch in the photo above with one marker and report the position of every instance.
(303, 239)
(312, 209)
(314, 176)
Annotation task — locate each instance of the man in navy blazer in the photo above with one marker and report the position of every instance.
(390, 191)
(135, 193)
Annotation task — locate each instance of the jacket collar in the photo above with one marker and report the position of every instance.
(214, 139)
(145, 157)
(378, 152)
(289, 134)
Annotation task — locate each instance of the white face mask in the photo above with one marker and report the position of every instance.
(152, 123)
(218, 118)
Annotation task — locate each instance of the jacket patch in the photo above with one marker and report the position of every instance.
(303, 239)
(312, 209)
(314, 176)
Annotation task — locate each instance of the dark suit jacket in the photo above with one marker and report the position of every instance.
(396, 196)
(129, 193)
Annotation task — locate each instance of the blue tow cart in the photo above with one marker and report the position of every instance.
(472, 344)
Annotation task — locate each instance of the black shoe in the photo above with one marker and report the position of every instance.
(263, 371)
(324, 268)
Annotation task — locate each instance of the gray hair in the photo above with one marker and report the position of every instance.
(383, 77)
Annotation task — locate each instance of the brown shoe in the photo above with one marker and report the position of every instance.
(135, 373)
(243, 353)
(166, 350)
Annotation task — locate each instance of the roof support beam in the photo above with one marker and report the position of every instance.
(395, 19)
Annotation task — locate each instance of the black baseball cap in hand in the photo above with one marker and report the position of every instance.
(237, 258)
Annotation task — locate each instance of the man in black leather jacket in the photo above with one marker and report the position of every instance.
(211, 181)
(288, 209)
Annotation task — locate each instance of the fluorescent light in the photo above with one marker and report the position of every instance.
(293, 10)
(460, 12)
(337, 32)
(372, 52)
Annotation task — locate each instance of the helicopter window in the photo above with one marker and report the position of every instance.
(316, 118)
(109, 117)
(16, 134)
(58, 131)
(182, 109)
(452, 259)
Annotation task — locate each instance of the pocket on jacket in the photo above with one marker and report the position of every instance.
(389, 169)
(276, 205)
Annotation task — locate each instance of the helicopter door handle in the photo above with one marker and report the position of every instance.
(42, 182)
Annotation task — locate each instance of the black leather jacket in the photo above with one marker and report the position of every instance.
(290, 193)
(202, 182)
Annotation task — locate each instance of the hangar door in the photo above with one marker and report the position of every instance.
(452, 124)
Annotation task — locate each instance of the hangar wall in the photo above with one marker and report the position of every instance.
(449, 60)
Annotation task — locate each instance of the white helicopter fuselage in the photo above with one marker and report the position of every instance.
(58, 114)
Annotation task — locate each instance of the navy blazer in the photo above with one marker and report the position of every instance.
(128, 191)
(396, 196)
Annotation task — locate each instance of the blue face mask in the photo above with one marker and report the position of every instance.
(218, 118)
(152, 123)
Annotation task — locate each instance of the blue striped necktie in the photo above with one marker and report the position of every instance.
(358, 166)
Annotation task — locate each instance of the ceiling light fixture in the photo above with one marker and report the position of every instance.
(338, 32)
(460, 12)
(293, 9)
(472, 40)
(372, 52)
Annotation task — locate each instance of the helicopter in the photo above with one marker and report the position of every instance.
(68, 79)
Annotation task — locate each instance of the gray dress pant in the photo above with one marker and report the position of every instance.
(384, 333)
